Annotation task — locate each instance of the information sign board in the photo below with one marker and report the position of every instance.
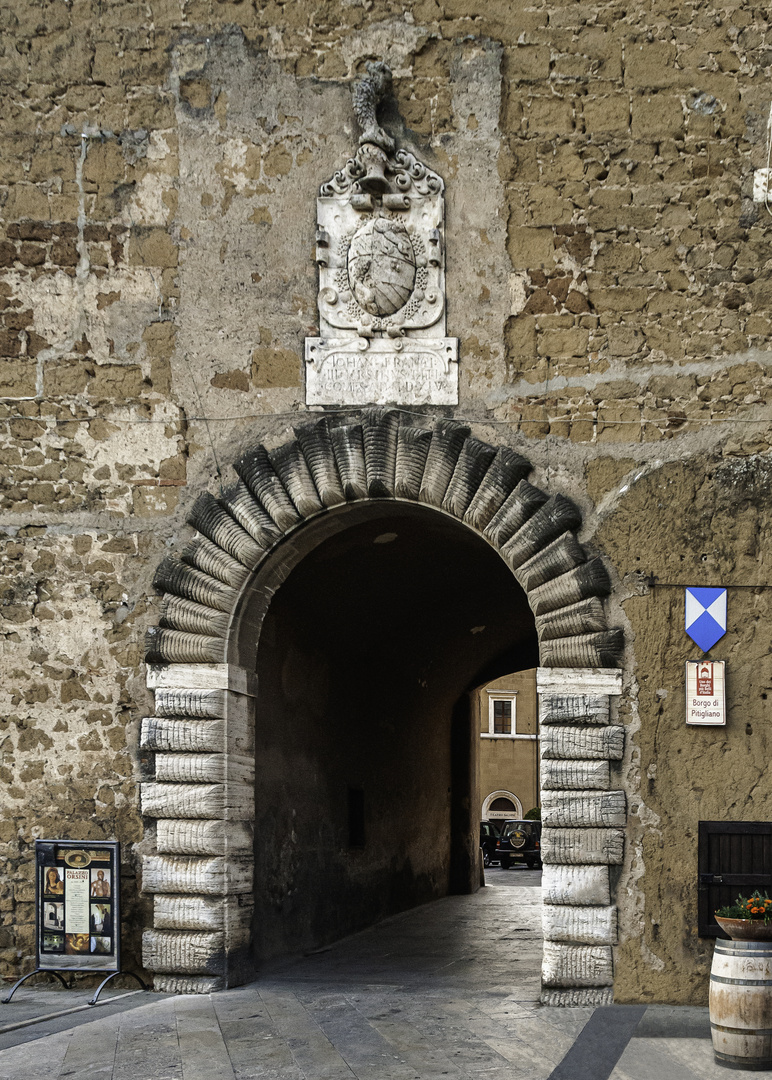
(705, 696)
(77, 905)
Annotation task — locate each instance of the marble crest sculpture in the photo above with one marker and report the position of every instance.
(380, 253)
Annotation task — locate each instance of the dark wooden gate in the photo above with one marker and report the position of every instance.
(734, 857)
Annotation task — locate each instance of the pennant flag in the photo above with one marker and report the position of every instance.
(705, 616)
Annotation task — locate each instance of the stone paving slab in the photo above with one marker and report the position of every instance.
(448, 991)
(34, 1012)
(673, 1043)
(32, 1002)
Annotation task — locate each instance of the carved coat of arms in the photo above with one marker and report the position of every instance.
(381, 275)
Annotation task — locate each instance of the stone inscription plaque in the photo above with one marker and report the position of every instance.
(421, 372)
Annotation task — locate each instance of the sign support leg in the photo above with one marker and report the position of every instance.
(37, 971)
(103, 984)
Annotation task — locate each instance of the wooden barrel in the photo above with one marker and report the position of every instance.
(741, 1004)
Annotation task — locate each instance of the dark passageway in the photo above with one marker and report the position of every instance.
(364, 749)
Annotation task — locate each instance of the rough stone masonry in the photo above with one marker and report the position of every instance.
(607, 274)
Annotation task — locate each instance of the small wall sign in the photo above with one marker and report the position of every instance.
(705, 696)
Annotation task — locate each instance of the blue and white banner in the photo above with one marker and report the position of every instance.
(705, 616)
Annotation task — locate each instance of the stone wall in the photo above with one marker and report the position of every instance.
(607, 275)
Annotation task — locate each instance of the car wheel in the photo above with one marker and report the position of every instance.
(505, 863)
(486, 857)
(530, 863)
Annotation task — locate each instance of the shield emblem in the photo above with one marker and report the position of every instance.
(705, 621)
(381, 266)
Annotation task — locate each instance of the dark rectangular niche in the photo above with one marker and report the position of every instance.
(356, 818)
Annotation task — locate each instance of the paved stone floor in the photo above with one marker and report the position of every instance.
(449, 990)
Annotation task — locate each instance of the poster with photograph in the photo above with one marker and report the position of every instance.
(53, 916)
(76, 943)
(101, 919)
(53, 885)
(100, 882)
(77, 898)
(52, 943)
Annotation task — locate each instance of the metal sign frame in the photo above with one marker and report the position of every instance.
(77, 911)
(82, 874)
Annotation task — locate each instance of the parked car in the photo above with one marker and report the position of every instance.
(519, 841)
(489, 834)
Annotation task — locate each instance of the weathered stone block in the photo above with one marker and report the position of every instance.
(203, 768)
(230, 915)
(18, 378)
(580, 925)
(657, 115)
(232, 802)
(650, 64)
(188, 913)
(188, 837)
(575, 885)
(164, 733)
(576, 965)
(150, 246)
(579, 997)
(576, 775)
(573, 709)
(188, 984)
(207, 877)
(583, 846)
(201, 676)
(607, 114)
(183, 952)
(577, 808)
(190, 702)
(549, 115)
(531, 247)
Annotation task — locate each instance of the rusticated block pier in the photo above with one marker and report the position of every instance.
(583, 832)
(203, 801)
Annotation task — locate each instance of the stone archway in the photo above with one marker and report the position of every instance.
(202, 733)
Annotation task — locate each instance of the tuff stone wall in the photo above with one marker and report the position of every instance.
(607, 275)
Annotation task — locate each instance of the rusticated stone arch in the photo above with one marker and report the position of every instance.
(202, 732)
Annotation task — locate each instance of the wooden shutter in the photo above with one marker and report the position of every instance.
(735, 857)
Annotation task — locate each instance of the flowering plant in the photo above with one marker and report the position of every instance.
(757, 907)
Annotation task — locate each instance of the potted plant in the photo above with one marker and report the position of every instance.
(741, 985)
(748, 919)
